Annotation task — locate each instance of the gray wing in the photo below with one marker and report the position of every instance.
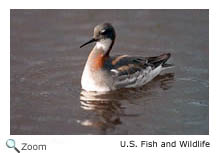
(129, 71)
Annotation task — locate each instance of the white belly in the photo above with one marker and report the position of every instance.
(89, 84)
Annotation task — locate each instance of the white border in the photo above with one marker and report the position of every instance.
(109, 143)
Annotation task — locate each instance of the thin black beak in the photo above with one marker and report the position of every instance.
(90, 41)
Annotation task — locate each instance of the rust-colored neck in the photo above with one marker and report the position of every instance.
(96, 59)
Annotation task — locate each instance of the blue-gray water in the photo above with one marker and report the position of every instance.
(47, 63)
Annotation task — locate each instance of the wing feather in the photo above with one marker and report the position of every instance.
(132, 71)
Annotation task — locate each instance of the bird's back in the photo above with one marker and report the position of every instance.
(133, 71)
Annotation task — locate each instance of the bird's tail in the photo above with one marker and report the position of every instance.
(161, 60)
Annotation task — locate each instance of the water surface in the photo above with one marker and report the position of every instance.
(46, 68)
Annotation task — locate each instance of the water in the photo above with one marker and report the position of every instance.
(46, 68)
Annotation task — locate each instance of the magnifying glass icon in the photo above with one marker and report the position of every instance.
(10, 143)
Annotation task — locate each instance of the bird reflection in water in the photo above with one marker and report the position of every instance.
(105, 109)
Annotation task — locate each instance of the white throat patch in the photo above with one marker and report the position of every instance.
(104, 44)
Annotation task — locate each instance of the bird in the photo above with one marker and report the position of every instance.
(103, 73)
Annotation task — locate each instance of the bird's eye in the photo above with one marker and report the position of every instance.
(103, 31)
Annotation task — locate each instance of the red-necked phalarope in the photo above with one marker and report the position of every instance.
(103, 72)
